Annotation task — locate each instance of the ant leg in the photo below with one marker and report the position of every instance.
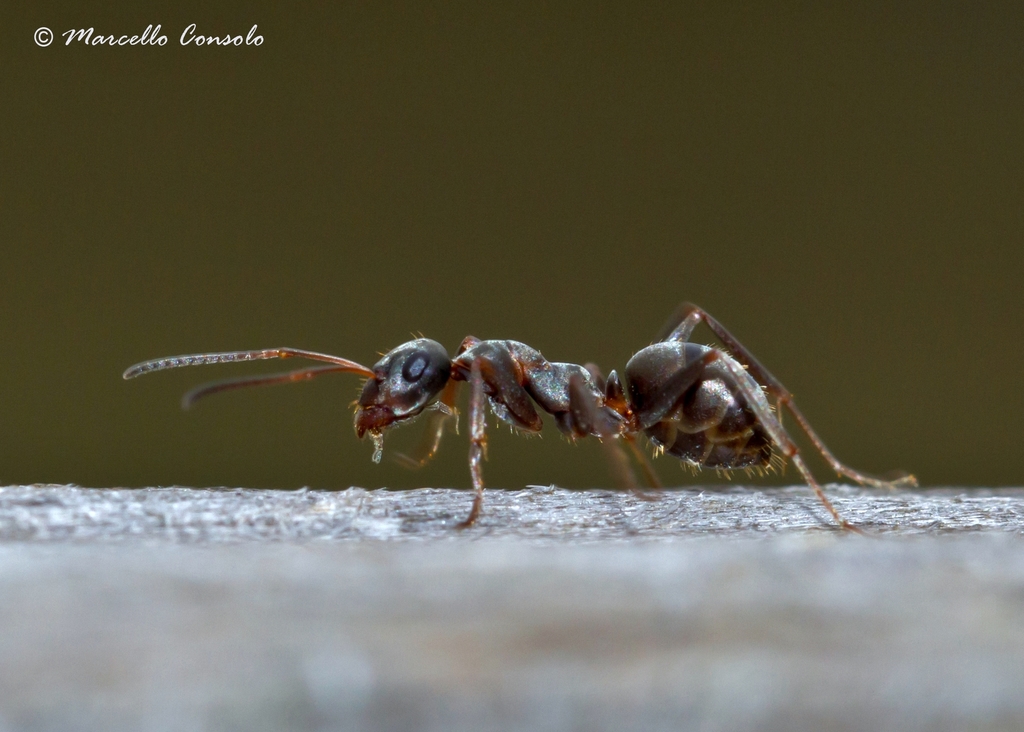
(491, 367)
(778, 435)
(741, 382)
(688, 316)
(645, 465)
(586, 412)
(443, 411)
(588, 419)
(501, 374)
(617, 459)
(902, 479)
(678, 327)
(477, 442)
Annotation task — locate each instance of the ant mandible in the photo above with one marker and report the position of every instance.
(707, 406)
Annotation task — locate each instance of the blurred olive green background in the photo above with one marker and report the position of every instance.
(844, 189)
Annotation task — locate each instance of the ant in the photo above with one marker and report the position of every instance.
(707, 406)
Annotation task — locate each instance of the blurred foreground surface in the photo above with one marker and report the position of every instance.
(172, 609)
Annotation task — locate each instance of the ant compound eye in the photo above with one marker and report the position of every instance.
(415, 366)
(408, 378)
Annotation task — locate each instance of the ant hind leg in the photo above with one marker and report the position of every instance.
(680, 327)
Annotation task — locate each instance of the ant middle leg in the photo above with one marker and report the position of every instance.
(586, 410)
(681, 326)
(645, 464)
(587, 418)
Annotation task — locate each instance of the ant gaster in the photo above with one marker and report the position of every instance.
(707, 406)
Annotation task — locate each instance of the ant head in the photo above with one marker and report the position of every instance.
(405, 381)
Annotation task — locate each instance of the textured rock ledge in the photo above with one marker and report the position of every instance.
(260, 610)
(55, 513)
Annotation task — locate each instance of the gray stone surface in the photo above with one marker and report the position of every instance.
(188, 515)
(256, 610)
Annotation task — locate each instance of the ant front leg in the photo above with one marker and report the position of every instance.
(493, 374)
(680, 327)
(477, 441)
(442, 412)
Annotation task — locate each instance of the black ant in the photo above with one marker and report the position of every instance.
(707, 406)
